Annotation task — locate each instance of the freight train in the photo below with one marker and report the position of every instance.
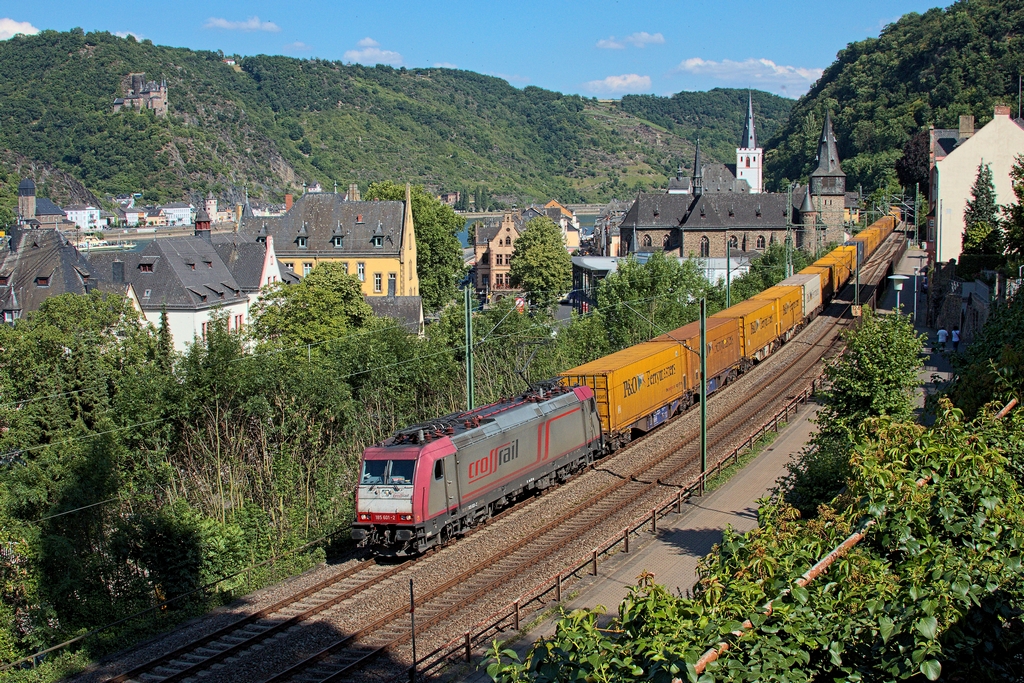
(434, 481)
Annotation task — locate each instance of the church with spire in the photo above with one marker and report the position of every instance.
(721, 207)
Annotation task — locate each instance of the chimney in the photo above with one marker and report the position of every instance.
(288, 201)
(967, 124)
(118, 272)
(1002, 110)
(353, 192)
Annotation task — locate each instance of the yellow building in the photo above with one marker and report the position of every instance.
(376, 241)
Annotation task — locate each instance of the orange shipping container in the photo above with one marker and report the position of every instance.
(759, 326)
(840, 271)
(722, 336)
(635, 387)
(789, 302)
(825, 273)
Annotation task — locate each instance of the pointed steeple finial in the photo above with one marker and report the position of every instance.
(749, 135)
(828, 150)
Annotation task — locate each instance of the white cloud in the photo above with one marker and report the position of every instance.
(125, 34)
(619, 84)
(372, 54)
(643, 39)
(10, 27)
(297, 46)
(251, 24)
(610, 44)
(639, 39)
(445, 65)
(762, 73)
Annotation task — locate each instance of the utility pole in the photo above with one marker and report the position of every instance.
(703, 393)
(470, 384)
(728, 271)
(789, 231)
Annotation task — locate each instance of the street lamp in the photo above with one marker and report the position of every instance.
(897, 284)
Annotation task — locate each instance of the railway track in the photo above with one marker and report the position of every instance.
(343, 659)
(389, 631)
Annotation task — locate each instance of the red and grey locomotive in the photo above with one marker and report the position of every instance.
(432, 482)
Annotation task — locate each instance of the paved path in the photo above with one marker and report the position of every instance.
(682, 539)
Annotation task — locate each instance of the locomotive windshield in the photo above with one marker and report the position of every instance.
(388, 472)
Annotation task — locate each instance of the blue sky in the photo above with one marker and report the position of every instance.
(599, 48)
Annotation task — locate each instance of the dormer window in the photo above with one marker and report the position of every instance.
(148, 293)
(147, 267)
(300, 242)
(359, 218)
(43, 281)
(378, 241)
(336, 241)
(4, 279)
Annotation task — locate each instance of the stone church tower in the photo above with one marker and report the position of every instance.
(749, 156)
(828, 184)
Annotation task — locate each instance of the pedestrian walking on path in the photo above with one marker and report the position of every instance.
(942, 335)
(956, 339)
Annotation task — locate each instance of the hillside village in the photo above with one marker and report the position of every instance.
(408, 370)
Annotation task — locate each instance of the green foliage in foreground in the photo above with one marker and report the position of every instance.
(992, 366)
(935, 585)
(876, 376)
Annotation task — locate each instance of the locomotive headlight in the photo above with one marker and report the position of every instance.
(364, 516)
(405, 518)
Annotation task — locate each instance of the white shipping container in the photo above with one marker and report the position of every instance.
(812, 292)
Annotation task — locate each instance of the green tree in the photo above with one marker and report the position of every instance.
(1013, 214)
(439, 262)
(982, 231)
(876, 376)
(642, 300)
(540, 264)
(326, 304)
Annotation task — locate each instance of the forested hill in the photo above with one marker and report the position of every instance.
(273, 123)
(923, 69)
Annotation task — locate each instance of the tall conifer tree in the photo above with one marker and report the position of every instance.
(982, 232)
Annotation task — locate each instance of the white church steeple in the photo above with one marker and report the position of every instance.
(749, 156)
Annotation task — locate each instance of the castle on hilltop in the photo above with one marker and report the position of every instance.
(144, 95)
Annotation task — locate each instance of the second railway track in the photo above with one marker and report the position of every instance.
(462, 593)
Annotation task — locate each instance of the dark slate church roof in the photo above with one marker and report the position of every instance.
(657, 211)
(40, 253)
(186, 273)
(737, 211)
(44, 207)
(324, 215)
(709, 211)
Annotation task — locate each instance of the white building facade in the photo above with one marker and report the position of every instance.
(996, 145)
(750, 157)
(84, 216)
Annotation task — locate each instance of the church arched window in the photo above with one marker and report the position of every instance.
(748, 162)
(705, 247)
(508, 241)
(734, 242)
(646, 240)
(760, 241)
(664, 241)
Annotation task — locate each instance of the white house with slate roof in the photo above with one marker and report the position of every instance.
(194, 278)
